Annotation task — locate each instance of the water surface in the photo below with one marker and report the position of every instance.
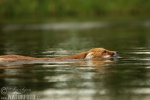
(125, 78)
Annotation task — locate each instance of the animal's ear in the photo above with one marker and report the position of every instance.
(89, 55)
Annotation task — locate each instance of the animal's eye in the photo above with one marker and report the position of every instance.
(104, 51)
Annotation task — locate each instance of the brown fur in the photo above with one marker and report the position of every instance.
(93, 53)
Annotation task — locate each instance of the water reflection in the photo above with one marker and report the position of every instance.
(126, 78)
(55, 26)
(73, 25)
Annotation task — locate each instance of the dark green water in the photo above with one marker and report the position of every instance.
(128, 78)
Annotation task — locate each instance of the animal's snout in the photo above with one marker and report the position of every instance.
(114, 54)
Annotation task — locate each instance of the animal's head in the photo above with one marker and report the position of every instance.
(100, 53)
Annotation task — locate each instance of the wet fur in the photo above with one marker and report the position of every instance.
(95, 53)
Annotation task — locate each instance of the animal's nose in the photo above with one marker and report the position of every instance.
(115, 54)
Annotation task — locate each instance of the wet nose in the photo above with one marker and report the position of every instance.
(115, 54)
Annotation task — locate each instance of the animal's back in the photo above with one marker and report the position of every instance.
(17, 57)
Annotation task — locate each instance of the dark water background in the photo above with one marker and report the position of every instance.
(128, 78)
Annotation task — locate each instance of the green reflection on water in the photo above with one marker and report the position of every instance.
(128, 78)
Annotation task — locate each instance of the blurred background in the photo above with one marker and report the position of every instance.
(42, 19)
(34, 11)
(51, 28)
